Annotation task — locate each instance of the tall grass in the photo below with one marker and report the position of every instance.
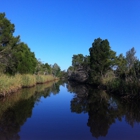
(9, 84)
(28, 80)
(44, 78)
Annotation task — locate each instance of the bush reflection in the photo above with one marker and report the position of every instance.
(103, 109)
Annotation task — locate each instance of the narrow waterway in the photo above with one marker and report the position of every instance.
(67, 111)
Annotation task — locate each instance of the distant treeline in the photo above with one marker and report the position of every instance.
(16, 56)
(117, 74)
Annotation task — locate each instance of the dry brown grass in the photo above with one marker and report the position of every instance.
(9, 84)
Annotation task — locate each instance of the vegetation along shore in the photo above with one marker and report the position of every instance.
(10, 84)
(18, 65)
(118, 74)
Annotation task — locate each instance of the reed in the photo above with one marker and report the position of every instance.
(44, 78)
(9, 84)
(28, 80)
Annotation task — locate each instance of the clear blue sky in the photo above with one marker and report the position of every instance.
(56, 29)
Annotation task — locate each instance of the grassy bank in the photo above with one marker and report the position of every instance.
(9, 84)
(44, 78)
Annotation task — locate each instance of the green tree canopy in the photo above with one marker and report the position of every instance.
(25, 61)
(121, 66)
(49, 69)
(102, 59)
(77, 60)
(6, 31)
(56, 70)
(15, 56)
(131, 58)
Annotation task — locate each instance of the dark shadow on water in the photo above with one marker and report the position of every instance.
(15, 109)
(103, 109)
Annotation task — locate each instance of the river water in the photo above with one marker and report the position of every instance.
(67, 111)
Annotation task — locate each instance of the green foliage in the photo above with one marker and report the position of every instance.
(107, 69)
(130, 58)
(48, 67)
(80, 61)
(71, 68)
(63, 74)
(102, 59)
(56, 70)
(109, 77)
(77, 60)
(24, 60)
(6, 37)
(15, 56)
(128, 67)
(121, 66)
(42, 68)
(6, 31)
(86, 62)
(119, 74)
(137, 68)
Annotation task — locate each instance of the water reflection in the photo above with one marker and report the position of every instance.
(15, 109)
(101, 115)
(103, 109)
(132, 112)
(79, 102)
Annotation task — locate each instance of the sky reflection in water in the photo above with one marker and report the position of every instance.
(67, 112)
(52, 119)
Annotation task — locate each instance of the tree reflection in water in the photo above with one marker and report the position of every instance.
(103, 109)
(15, 109)
(101, 114)
(79, 102)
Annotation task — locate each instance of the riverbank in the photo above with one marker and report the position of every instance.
(10, 84)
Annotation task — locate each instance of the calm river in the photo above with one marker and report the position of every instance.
(67, 111)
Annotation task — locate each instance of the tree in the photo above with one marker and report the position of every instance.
(70, 68)
(102, 59)
(80, 61)
(56, 70)
(121, 68)
(38, 68)
(49, 69)
(63, 74)
(132, 64)
(15, 56)
(86, 62)
(77, 60)
(131, 58)
(137, 69)
(7, 42)
(25, 61)
(6, 31)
